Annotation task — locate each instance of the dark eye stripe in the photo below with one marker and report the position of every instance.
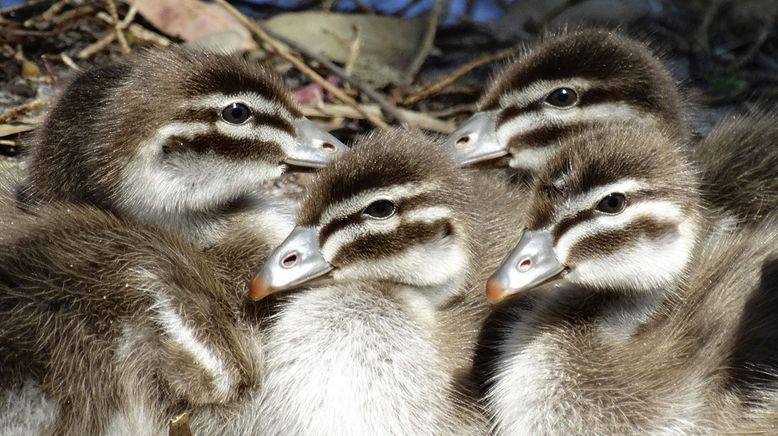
(611, 241)
(512, 112)
(226, 146)
(545, 135)
(378, 245)
(276, 121)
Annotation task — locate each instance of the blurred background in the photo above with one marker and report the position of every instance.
(359, 64)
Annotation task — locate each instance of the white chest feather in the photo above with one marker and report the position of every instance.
(345, 362)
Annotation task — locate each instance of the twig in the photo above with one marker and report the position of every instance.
(22, 109)
(354, 49)
(117, 26)
(426, 43)
(371, 93)
(283, 51)
(96, 46)
(453, 110)
(50, 72)
(48, 14)
(69, 62)
(417, 119)
(145, 34)
(439, 85)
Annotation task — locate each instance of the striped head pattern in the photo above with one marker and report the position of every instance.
(173, 132)
(563, 85)
(391, 210)
(617, 208)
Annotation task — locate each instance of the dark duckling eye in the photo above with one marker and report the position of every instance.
(380, 209)
(562, 98)
(236, 113)
(612, 204)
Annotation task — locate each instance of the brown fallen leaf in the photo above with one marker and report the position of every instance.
(192, 19)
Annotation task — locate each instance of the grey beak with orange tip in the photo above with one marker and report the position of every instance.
(532, 263)
(476, 140)
(295, 262)
(315, 147)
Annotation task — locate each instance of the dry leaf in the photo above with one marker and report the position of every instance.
(29, 69)
(192, 19)
(389, 44)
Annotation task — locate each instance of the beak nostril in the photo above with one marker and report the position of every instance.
(524, 265)
(462, 141)
(290, 260)
(329, 147)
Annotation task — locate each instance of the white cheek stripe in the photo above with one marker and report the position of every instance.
(427, 214)
(359, 201)
(533, 159)
(664, 210)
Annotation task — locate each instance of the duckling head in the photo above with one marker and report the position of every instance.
(616, 209)
(389, 210)
(564, 84)
(172, 133)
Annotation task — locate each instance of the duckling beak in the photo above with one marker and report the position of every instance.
(476, 140)
(532, 263)
(315, 147)
(296, 261)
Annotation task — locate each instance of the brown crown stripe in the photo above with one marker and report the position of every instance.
(376, 246)
(404, 205)
(228, 147)
(608, 242)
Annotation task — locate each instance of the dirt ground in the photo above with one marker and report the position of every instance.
(723, 53)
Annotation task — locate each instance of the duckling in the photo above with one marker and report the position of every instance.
(739, 163)
(112, 327)
(634, 311)
(565, 84)
(390, 246)
(178, 139)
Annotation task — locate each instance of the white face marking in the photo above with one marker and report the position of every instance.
(533, 159)
(649, 264)
(248, 130)
(167, 192)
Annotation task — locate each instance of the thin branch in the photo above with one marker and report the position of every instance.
(283, 51)
(426, 43)
(439, 85)
(371, 93)
(117, 27)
